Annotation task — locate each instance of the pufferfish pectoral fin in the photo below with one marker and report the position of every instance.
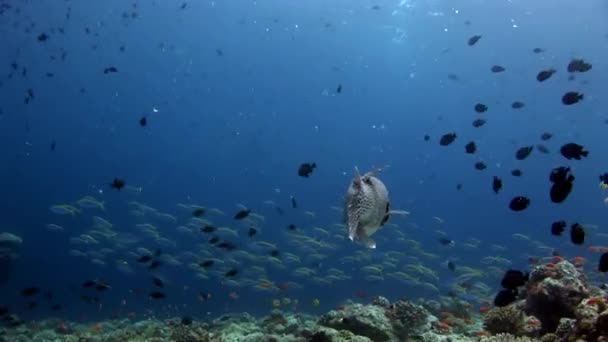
(352, 229)
(367, 241)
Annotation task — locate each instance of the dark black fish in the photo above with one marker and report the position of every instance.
(523, 152)
(445, 241)
(306, 169)
(88, 284)
(30, 291)
(157, 295)
(577, 234)
(447, 139)
(546, 136)
(497, 69)
(102, 287)
(198, 212)
(571, 98)
(516, 173)
(480, 108)
(538, 50)
(56, 307)
(542, 148)
(562, 181)
(117, 184)
(544, 75)
(3, 310)
(53, 144)
(275, 253)
(291, 227)
(293, 202)
(470, 148)
(451, 266)
(558, 227)
(43, 37)
(229, 246)
(158, 282)
(459, 186)
(496, 184)
(231, 273)
(473, 40)
(158, 252)
(251, 232)
(154, 265)
(339, 89)
(517, 105)
(480, 166)
(512, 279)
(186, 320)
(427, 137)
(579, 65)
(519, 203)
(207, 263)
(573, 151)
(478, 123)
(214, 240)
(242, 214)
(144, 258)
(208, 229)
(110, 70)
(183, 5)
(603, 263)
(143, 121)
(505, 297)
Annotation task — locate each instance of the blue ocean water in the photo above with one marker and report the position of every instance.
(238, 94)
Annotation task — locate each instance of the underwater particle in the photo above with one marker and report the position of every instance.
(198, 212)
(251, 232)
(143, 121)
(241, 214)
(538, 50)
(43, 37)
(572, 97)
(233, 272)
(505, 297)
(56, 307)
(542, 148)
(480, 108)
(544, 75)
(427, 137)
(470, 148)
(519, 203)
(603, 263)
(573, 151)
(339, 89)
(497, 68)
(447, 139)
(496, 184)
(219, 52)
(480, 166)
(523, 152)
(512, 279)
(478, 123)
(183, 5)
(473, 40)
(208, 229)
(53, 144)
(207, 263)
(558, 227)
(516, 173)
(579, 65)
(117, 184)
(577, 234)
(157, 295)
(158, 282)
(459, 186)
(517, 105)
(144, 259)
(306, 169)
(546, 136)
(110, 70)
(186, 320)
(294, 205)
(30, 291)
(562, 181)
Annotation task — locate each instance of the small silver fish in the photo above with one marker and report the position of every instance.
(367, 207)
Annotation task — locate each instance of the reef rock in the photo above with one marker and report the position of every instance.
(363, 320)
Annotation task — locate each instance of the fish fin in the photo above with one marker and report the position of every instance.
(357, 176)
(352, 230)
(369, 243)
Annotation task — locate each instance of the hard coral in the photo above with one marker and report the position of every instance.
(505, 338)
(408, 318)
(507, 319)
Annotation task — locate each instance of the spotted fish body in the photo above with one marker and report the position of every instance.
(367, 207)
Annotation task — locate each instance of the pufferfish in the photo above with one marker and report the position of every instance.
(367, 207)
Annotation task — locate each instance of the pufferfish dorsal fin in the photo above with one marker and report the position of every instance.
(357, 177)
